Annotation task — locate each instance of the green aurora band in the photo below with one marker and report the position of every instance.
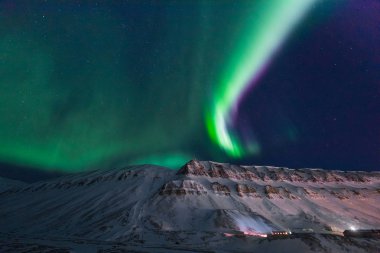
(266, 30)
(85, 88)
(80, 91)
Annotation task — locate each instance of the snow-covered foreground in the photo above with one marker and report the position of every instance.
(153, 209)
(10, 243)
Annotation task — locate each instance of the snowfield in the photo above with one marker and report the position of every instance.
(150, 208)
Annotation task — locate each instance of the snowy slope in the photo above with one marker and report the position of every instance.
(151, 204)
(6, 184)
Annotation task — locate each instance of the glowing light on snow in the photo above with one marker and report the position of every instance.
(247, 233)
(250, 225)
(251, 233)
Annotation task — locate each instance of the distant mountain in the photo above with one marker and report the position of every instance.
(152, 207)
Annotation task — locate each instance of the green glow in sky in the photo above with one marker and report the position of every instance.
(172, 160)
(84, 88)
(90, 86)
(263, 33)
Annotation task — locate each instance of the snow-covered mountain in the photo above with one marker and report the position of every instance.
(152, 205)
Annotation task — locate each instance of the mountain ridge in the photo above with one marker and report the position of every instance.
(159, 204)
(223, 170)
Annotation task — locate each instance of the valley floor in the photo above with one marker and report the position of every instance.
(13, 243)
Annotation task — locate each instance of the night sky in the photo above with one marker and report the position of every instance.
(87, 85)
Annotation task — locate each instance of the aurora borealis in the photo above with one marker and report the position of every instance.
(267, 27)
(89, 85)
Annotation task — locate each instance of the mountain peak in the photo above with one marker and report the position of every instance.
(193, 167)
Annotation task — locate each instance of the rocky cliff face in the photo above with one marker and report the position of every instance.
(270, 173)
(278, 192)
(263, 181)
(221, 189)
(182, 187)
(246, 190)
